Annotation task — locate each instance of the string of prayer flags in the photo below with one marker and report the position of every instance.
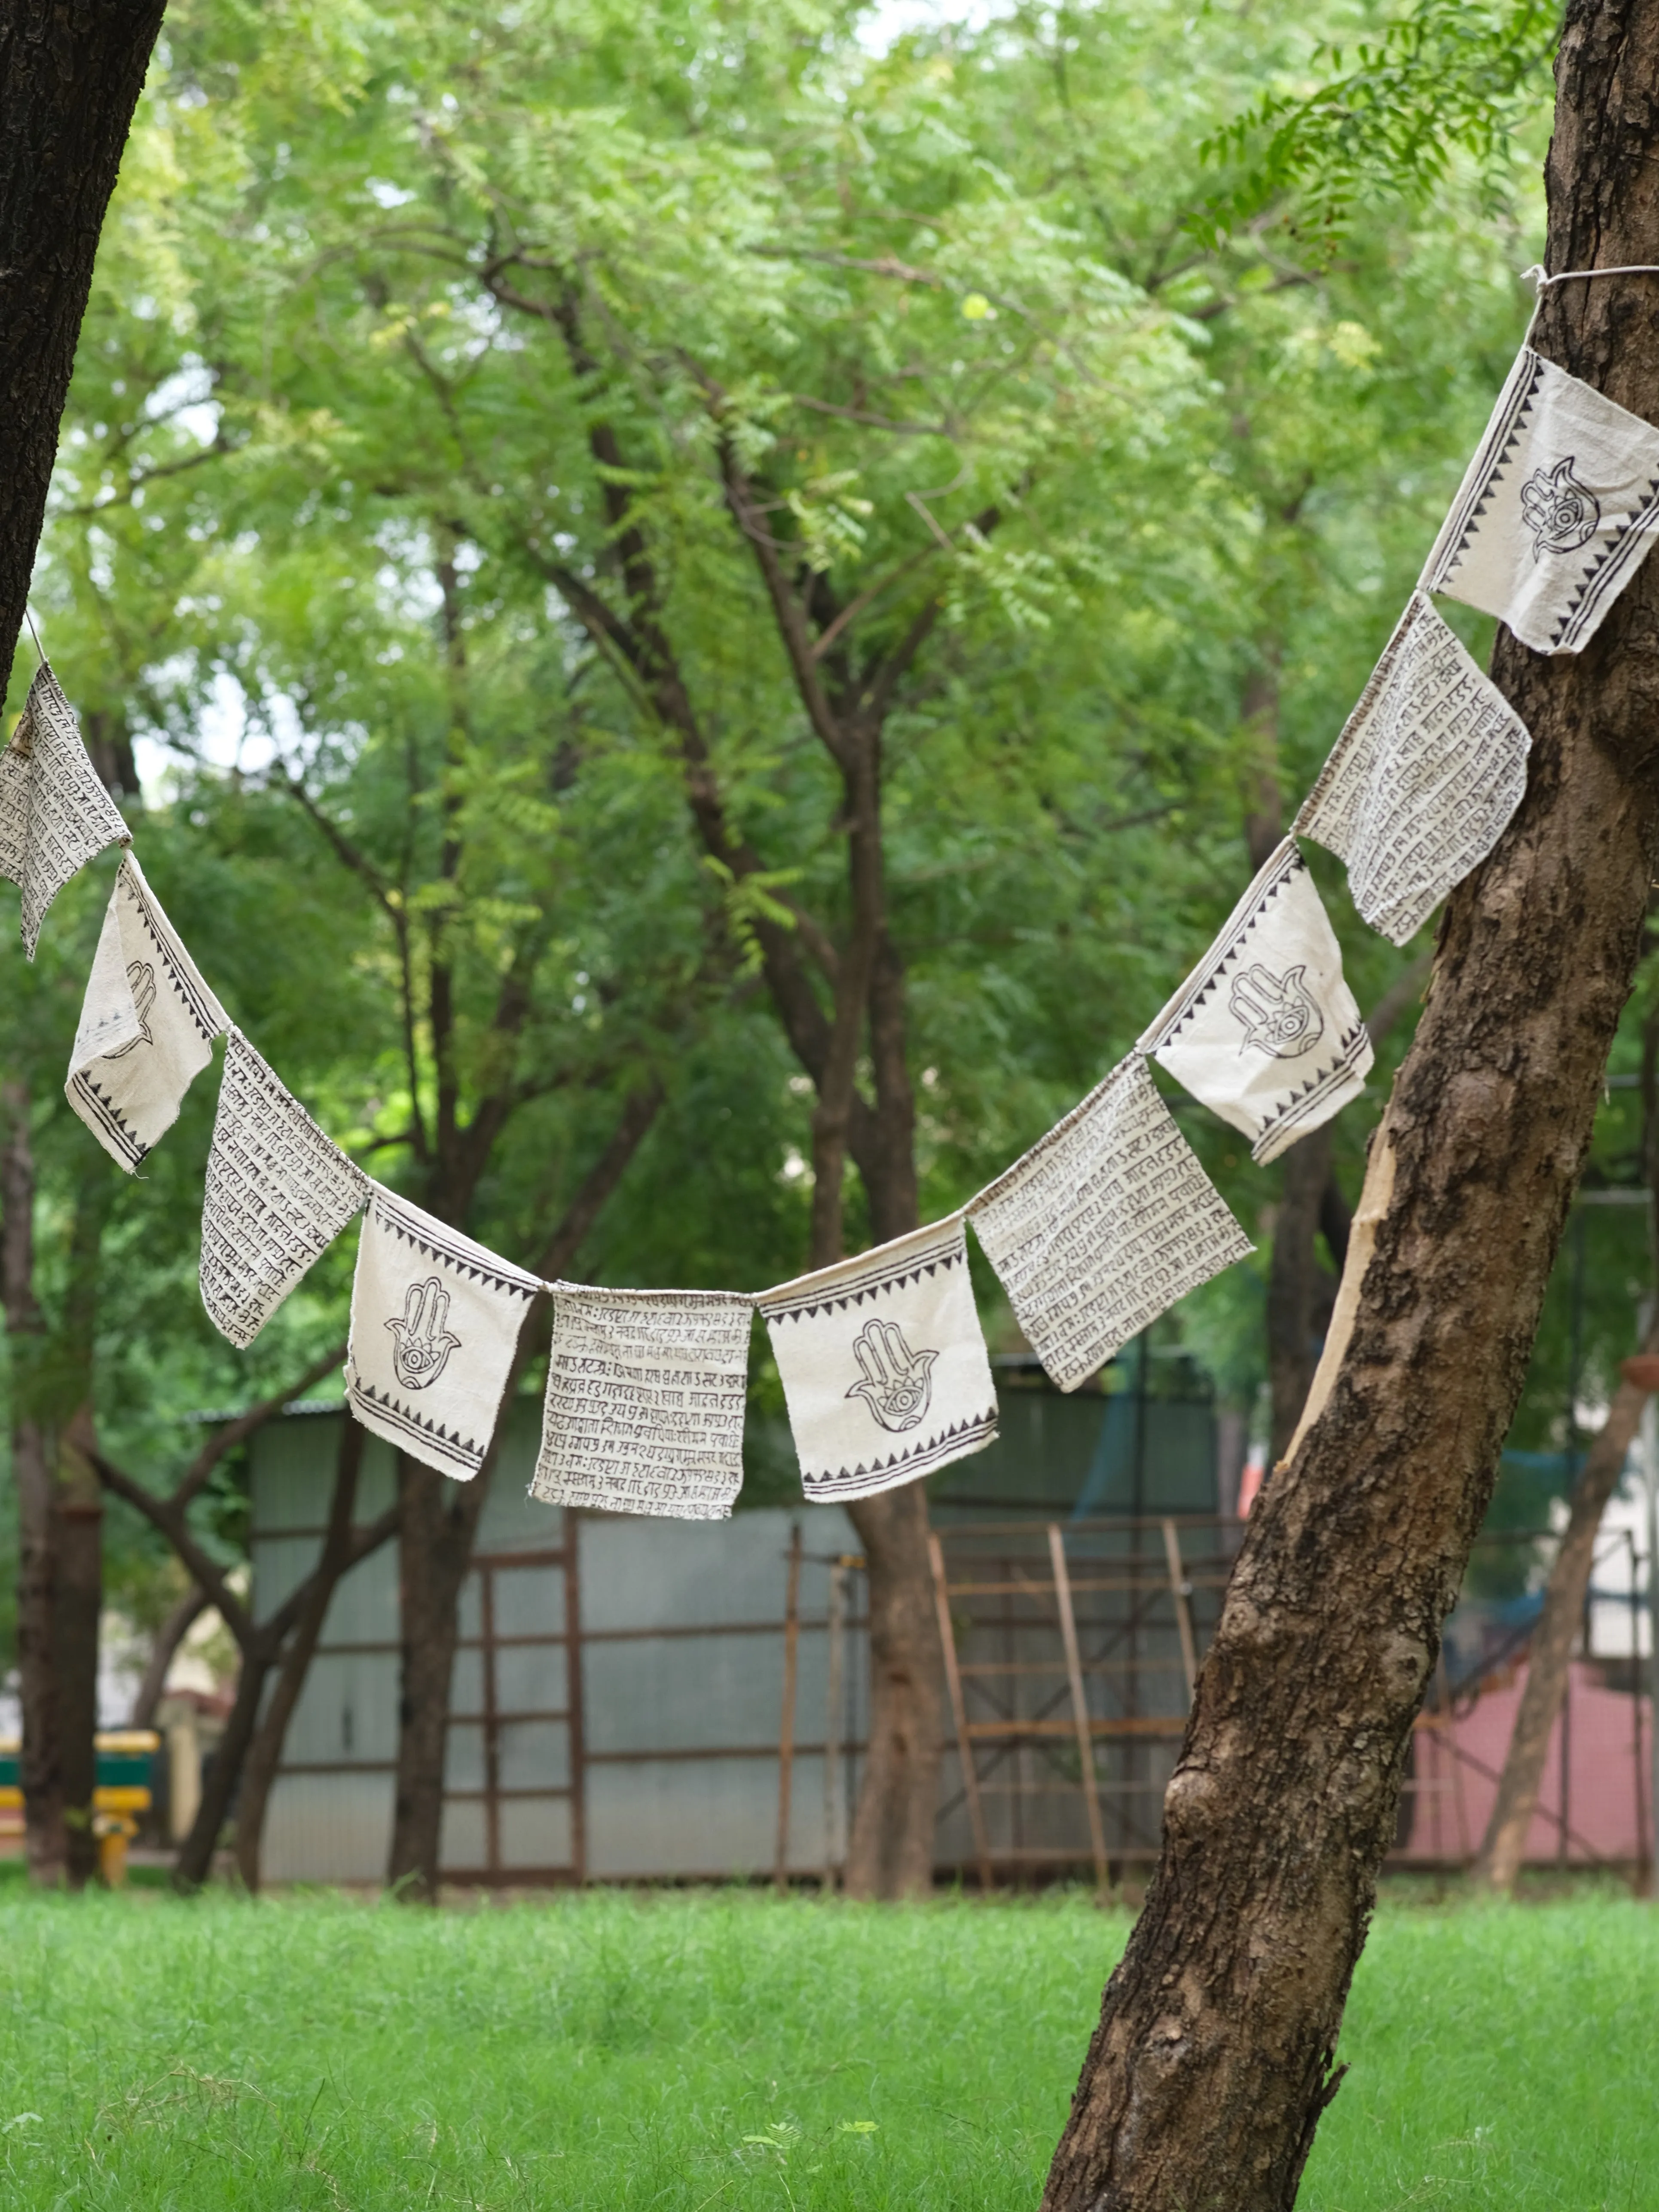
(435, 1323)
(278, 1193)
(55, 814)
(1105, 1222)
(645, 1396)
(148, 1024)
(1555, 511)
(883, 1365)
(1265, 1031)
(1421, 784)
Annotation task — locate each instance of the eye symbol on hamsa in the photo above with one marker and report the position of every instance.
(1561, 512)
(1280, 1014)
(896, 1383)
(423, 1341)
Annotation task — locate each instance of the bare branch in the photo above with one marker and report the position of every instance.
(161, 1515)
(245, 1425)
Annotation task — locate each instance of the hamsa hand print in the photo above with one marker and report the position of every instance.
(1561, 512)
(422, 1334)
(1280, 1014)
(896, 1383)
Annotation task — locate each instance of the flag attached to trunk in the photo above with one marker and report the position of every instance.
(1421, 784)
(1556, 511)
(645, 1396)
(1265, 1031)
(434, 1322)
(55, 815)
(278, 1193)
(884, 1364)
(1105, 1222)
(146, 1029)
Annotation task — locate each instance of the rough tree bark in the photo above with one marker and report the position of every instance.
(71, 74)
(1549, 1655)
(1211, 2063)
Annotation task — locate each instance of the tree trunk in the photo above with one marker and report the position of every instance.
(265, 1749)
(438, 1522)
(1205, 2078)
(195, 1861)
(1550, 1653)
(33, 1454)
(78, 1513)
(890, 1851)
(41, 1766)
(69, 79)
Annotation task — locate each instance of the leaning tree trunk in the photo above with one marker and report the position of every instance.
(69, 79)
(1550, 1653)
(1205, 2078)
(264, 1750)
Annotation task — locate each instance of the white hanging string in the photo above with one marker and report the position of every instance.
(1540, 278)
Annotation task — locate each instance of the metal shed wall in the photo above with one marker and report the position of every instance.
(618, 1697)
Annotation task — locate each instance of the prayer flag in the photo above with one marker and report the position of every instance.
(1555, 511)
(645, 1396)
(1105, 1222)
(884, 1364)
(1421, 784)
(278, 1193)
(55, 815)
(435, 1323)
(146, 1029)
(1265, 1031)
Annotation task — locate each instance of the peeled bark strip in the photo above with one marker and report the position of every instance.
(69, 78)
(1298, 1289)
(1550, 1652)
(1207, 2076)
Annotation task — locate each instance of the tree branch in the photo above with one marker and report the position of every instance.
(245, 1425)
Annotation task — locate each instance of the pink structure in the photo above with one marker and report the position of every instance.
(1456, 1763)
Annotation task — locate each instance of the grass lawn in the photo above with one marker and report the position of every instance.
(732, 2051)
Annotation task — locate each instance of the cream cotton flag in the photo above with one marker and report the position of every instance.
(645, 1396)
(1105, 1222)
(55, 815)
(278, 1193)
(884, 1364)
(1265, 1031)
(434, 1322)
(1555, 511)
(147, 1025)
(1421, 784)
